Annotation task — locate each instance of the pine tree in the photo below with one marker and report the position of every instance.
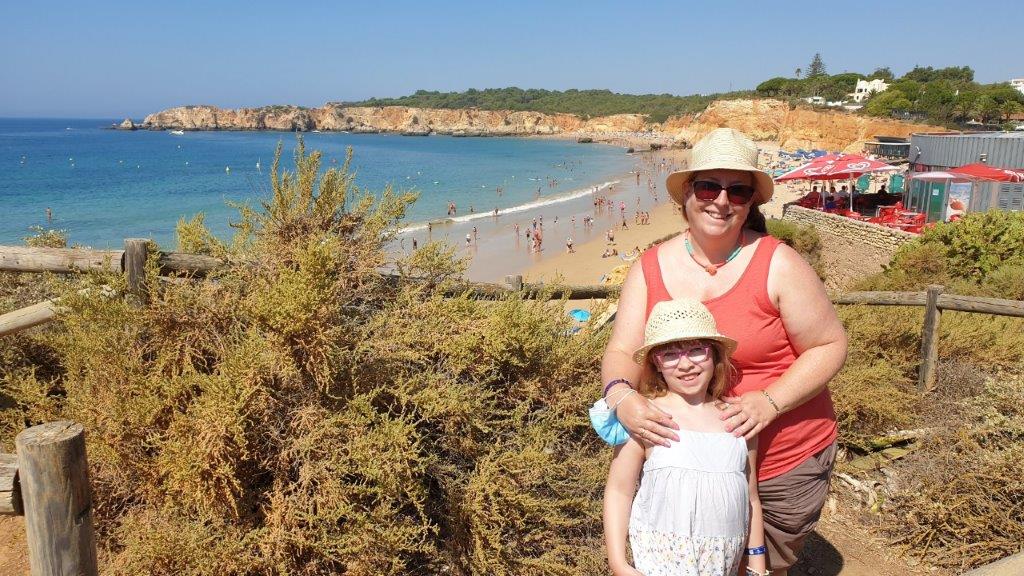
(817, 67)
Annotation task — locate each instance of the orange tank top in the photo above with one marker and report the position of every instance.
(746, 314)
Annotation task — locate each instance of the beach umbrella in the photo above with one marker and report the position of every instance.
(579, 315)
(836, 167)
(938, 176)
(979, 171)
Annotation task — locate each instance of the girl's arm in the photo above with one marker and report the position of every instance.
(755, 538)
(618, 499)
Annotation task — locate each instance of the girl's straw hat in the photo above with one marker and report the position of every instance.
(725, 149)
(680, 319)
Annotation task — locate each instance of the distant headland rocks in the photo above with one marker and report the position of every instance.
(763, 119)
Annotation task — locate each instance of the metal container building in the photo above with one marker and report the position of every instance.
(944, 151)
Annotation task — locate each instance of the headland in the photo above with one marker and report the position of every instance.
(763, 119)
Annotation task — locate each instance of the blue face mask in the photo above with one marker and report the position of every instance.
(606, 424)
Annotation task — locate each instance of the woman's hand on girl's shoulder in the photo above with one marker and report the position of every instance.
(746, 415)
(646, 422)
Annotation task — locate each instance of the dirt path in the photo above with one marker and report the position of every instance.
(13, 549)
(837, 550)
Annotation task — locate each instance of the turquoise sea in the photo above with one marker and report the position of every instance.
(103, 185)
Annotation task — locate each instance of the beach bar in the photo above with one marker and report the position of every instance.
(945, 199)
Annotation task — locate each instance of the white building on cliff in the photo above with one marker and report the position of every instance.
(1017, 83)
(865, 88)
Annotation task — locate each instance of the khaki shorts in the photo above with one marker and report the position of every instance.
(792, 505)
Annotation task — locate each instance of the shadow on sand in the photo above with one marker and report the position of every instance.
(819, 558)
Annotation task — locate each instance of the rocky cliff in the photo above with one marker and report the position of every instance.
(774, 121)
(763, 120)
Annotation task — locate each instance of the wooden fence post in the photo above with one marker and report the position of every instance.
(514, 282)
(54, 478)
(136, 250)
(929, 340)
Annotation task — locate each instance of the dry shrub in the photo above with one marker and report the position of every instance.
(874, 393)
(297, 413)
(958, 500)
(962, 504)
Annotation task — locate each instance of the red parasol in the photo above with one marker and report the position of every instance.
(980, 171)
(836, 167)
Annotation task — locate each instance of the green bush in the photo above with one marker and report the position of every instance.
(982, 254)
(803, 239)
(43, 238)
(973, 247)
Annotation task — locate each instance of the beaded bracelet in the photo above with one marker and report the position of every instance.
(771, 401)
(609, 385)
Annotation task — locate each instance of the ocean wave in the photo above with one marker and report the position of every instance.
(546, 201)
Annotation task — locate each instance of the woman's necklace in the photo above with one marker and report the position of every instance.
(710, 268)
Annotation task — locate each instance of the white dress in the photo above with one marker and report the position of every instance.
(691, 512)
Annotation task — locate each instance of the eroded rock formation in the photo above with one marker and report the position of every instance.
(763, 120)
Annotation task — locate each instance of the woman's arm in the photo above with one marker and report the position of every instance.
(640, 417)
(755, 538)
(817, 336)
(618, 500)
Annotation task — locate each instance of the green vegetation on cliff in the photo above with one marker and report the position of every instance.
(584, 103)
(942, 96)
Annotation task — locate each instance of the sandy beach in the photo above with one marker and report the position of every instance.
(499, 246)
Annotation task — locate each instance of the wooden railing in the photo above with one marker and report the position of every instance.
(132, 261)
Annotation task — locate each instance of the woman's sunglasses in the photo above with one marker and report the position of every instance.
(738, 194)
(670, 356)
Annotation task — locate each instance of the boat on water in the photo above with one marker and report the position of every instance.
(178, 132)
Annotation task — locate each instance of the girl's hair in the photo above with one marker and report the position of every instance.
(652, 383)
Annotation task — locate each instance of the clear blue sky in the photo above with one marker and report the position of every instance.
(117, 59)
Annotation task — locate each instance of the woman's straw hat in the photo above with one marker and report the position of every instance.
(726, 149)
(680, 319)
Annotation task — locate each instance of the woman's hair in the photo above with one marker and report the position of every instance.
(652, 383)
(755, 219)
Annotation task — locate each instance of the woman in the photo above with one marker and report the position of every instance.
(763, 294)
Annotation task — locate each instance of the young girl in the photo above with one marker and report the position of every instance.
(696, 512)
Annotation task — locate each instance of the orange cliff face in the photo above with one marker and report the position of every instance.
(397, 119)
(773, 121)
(763, 120)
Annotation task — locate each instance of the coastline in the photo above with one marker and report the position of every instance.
(498, 251)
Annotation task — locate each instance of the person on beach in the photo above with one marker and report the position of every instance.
(697, 510)
(764, 295)
(568, 246)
